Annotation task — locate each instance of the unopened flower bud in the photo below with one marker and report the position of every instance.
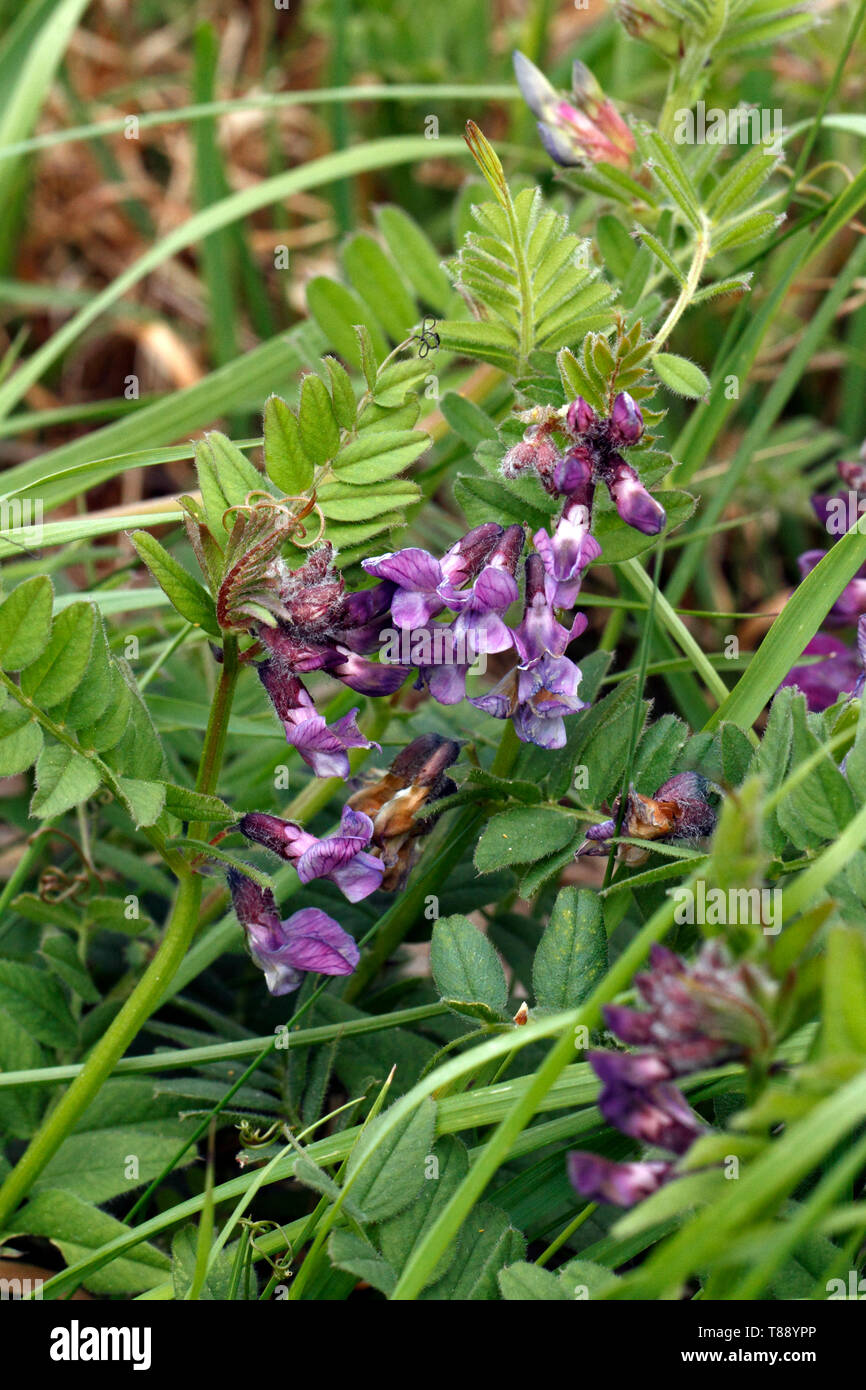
(574, 474)
(626, 425)
(633, 503)
(580, 416)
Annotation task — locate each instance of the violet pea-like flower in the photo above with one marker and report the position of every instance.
(567, 553)
(586, 129)
(542, 690)
(307, 941)
(698, 1015)
(654, 1112)
(342, 858)
(619, 1184)
(479, 610)
(322, 746)
(635, 506)
(540, 633)
(418, 576)
(478, 627)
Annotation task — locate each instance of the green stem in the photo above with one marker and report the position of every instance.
(109, 1049)
(147, 994)
(217, 724)
(689, 289)
(565, 1235)
(689, 77)
(18, 877)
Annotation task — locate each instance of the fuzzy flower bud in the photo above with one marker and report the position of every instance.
(636, 507)
(626, 421)
(586, 130)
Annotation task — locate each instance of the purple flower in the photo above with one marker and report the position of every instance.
(567, 553)
(368, 677)
(323, 746)
(837, 514)
(540, 633)
(536, 698)
(444, 652)
(418, 576)
(342, 857)
(587, 130)
(593, 458)
(698, 1015)
(824, 682)
(580, 417)
(656, 1113)
(635, 506)
(620, 1184)
(626, 420)
(575, 476)
(479, 609)
(539, 692)
(309, 940)
(647, 1109)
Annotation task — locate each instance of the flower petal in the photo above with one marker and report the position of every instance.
(316, 942)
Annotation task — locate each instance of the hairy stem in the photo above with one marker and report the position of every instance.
(689, 289)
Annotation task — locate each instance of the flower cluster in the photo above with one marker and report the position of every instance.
(477, 582)
(593, 458)
(441, 614)
(586, 130)
(322, 627)
(373, 848)
(698, 1016)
